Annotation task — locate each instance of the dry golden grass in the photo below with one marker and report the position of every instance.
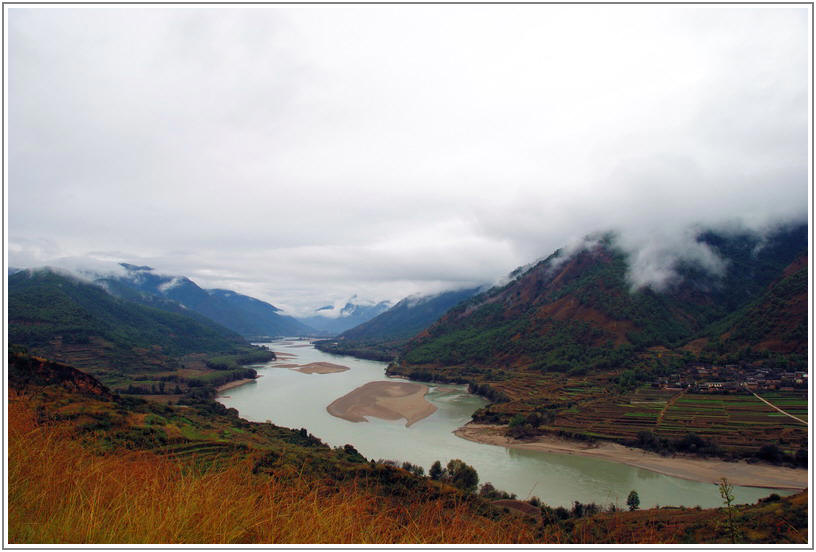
(60, 492)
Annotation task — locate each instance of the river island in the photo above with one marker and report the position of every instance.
(319, 368)
(389, 400)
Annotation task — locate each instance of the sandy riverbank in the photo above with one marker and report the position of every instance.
(320, 368)
(235, 383)
(389, 400)
(685, 467)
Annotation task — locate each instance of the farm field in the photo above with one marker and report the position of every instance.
(529, 391)
(737, 423)
(592, 405)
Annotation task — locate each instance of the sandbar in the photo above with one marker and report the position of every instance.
(234, 383)
(683, 466)
(388, 400)
(320, 368)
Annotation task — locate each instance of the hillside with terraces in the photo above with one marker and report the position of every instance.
(568, 347)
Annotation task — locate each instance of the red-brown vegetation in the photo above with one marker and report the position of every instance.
(60, 492)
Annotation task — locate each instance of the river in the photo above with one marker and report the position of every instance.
(293, 399)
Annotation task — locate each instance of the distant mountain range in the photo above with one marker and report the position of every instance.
(63, 318)
(408, 317)
(382, 337)
(245, 315)
(568, 344)
(350, 315)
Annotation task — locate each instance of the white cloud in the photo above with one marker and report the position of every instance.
(653, 261)
(305, 154)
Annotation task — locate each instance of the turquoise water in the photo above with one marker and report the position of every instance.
(293, 399)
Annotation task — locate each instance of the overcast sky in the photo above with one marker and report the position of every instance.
(305, 154)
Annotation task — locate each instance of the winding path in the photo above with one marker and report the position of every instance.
(669, 404)
(780, 410)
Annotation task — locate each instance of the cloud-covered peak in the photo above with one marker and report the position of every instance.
(136, 268)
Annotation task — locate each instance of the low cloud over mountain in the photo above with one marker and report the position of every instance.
(302, 156)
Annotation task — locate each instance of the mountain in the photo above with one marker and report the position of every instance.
(245, 315)
(573, 312)
(776, 321)
(568, 343)
(121, 342)
(381, 337)
(349, 316)
(408, 317)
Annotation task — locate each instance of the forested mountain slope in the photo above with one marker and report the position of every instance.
(579, 312)
(572, 347)
(245, 315)
(408, 317)
(382, 336)
(122, 342)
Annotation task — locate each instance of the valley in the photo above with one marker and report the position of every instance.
(571, 470)
(550, 398)
(408, 274)
(128, 470)
(566, 348)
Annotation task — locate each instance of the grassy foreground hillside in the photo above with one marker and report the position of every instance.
(88, 466)
(147, 497)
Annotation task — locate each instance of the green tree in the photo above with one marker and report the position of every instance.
(633, 501)
(462, 475)
(436, 470)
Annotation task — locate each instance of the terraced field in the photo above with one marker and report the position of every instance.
(203, 453)
(592, 405)
(795, 403)
(735, 422)
(622, 417)
(527, 391)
